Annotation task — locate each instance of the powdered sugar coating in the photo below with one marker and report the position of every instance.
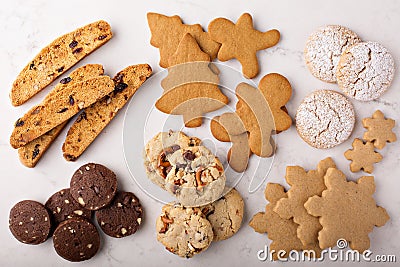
(324, 48)
(325, 119)
(365, 71)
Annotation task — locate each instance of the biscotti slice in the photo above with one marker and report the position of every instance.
(31, 153)
(58, 108)
(58, 57)
(95, 118)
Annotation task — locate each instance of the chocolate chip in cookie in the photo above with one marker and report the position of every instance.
(122, 217)
(93, 186)
(29, 222)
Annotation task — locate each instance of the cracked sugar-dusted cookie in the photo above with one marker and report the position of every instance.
(161, 145)
(365, 71)
(225, 215)
(304, 184)
(122, 217)
(346, 210)
(62, 206)
(196, 177)
(362, 156)
(76, 240)
(380, 130)
(93, 186)
(29, 222)
(324, 48)
(183, 231)
(241, 41)
(325, 119)
(281, 231)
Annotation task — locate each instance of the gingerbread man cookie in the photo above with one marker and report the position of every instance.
(241, 41)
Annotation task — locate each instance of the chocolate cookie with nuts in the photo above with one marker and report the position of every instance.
(93, 186)
(122, 217)
(62, 206)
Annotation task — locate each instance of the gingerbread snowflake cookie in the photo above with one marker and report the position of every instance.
(325, 119)
(324, 48)
(380, 130)
(346, 210)
(365, 71)
(363, 156)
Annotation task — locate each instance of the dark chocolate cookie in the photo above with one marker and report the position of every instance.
(29, 222)
(76, 239)
(93, 186)
(62, 206)
(122, 217)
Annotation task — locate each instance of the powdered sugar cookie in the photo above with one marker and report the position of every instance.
(365, 71)
(324, 48)
(325, 119)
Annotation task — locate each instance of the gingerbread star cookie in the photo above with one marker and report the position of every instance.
(379, 130)
(281, 231)
(241, 41)
(363, 156)
(191, 87)
(347, 211)
(304, 184)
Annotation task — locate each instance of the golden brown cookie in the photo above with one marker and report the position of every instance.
(31, 153)
(304, 184)
(58, 108)
(95, 118)
(380, 130)
(362, 156)
(281, 231)
(57, 58)
(346, 210)
(190, 89)
(167, 32)
(241, 41)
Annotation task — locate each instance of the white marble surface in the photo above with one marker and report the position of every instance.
(26, 26)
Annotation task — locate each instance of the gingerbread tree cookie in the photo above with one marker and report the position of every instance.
(303, 185)
(362, 156)
(166, 33)
(346, 210)
(281, 231)
(379, 130)
(191, 87)
(241, 41)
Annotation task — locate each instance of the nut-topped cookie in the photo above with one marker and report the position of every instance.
(158, 147)
(194, 176)
(183, 231)
(93, 186)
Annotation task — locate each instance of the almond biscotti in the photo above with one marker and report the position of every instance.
(31, 153)
(59, 108)
(58, 57)
(95, 118)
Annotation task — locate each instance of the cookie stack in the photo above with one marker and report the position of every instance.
(320, 208)
(87, 91)
(67, 214)
(362, 70)
(189, 171)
